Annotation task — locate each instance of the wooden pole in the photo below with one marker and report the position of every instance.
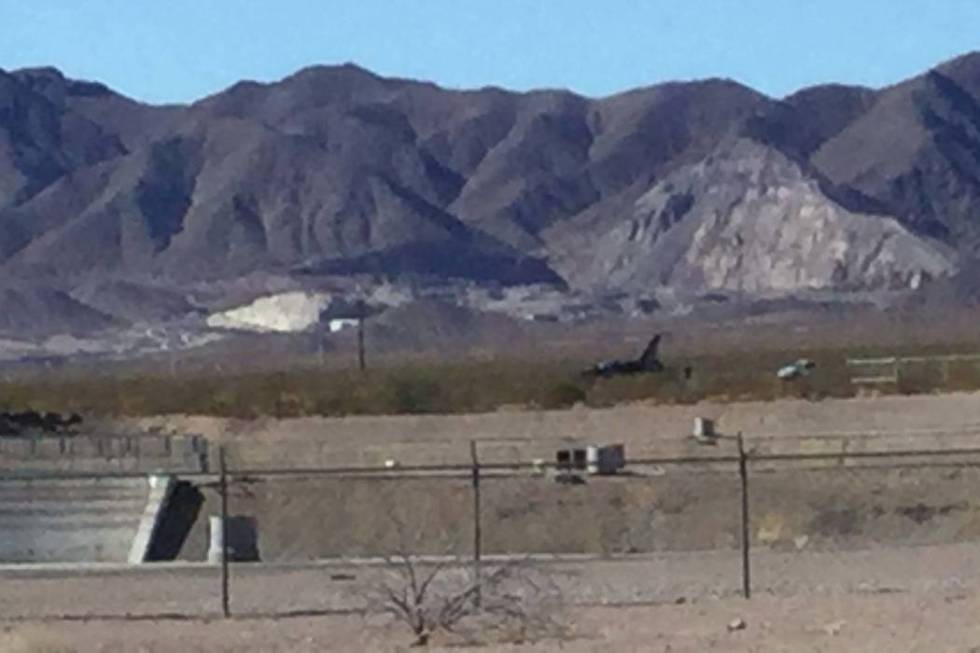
(477, 532)
(743, 473)
(320, 337)
(361, 356)
(225, 599)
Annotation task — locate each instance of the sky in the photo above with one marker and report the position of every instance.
(180, 50)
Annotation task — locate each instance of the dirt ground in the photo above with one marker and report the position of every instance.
(508, 436)
(912, 598)
(895, 623)
(902, 599)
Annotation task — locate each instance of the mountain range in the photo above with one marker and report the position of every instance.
(687, 187)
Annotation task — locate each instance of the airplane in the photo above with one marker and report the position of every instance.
(647, 362)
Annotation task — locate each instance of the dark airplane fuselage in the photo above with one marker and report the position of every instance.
(648, 362)
(622, 368)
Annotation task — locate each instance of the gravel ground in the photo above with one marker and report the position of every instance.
(195, 590)
(891, 622)
(894, 598)
(646, 429)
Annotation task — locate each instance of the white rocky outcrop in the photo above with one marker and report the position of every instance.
(289, 312)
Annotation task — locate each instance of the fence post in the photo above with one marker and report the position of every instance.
(477, 532)
(743, 473)
(225, 598)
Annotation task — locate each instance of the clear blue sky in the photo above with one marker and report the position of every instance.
(180, 50)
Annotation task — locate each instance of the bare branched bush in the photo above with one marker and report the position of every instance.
(510, 601)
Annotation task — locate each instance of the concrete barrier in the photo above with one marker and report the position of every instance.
(102, 454)
(216, 539)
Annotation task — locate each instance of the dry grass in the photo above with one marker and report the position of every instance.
(729, 361)
(469, 385)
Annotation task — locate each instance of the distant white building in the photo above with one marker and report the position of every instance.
(341, 323)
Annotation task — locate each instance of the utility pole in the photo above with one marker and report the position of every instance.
(361, 362)
(477, 531)
(318, 337)
(743, 473)
(223, 485)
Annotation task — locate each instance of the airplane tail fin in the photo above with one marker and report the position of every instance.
(650, 357)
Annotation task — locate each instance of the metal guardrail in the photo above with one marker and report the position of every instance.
(944, 358)
(896, 363)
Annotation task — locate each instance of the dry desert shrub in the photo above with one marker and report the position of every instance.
(472, 384)
(508, 602)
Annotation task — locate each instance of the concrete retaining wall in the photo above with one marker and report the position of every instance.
(70, 520)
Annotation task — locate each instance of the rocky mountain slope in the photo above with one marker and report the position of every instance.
(745, 219)
(690, 187)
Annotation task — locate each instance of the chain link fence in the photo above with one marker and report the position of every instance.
(234, 538)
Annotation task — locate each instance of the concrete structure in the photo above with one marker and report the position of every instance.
(156, 502)
(704, 430)
(79, 520)
(216, 539)
(44, 518)
(102, 454)
(605, 460)
(592, 459)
